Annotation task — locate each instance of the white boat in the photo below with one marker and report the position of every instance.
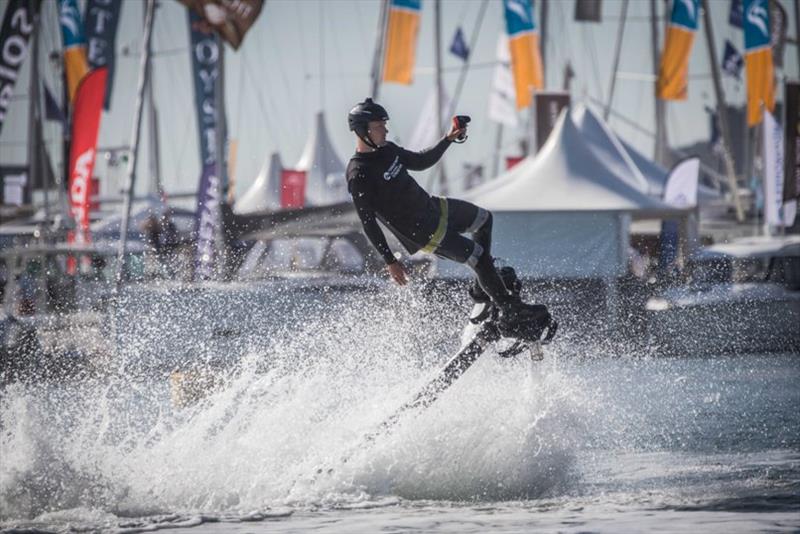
(743, 296)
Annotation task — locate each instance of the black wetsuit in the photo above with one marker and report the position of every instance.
(383, 190)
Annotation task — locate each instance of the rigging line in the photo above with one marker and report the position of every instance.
(595, 66)
(465, 68)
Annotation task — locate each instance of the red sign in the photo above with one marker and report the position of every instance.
(293, 188)
(85, 128)
(513, 160)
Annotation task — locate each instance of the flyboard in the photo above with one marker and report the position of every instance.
(530, 329)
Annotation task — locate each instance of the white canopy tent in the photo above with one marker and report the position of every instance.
(325, 173)
(265, 193)
(566, 212)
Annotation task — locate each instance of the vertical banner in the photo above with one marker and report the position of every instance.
(547, 107)
(791, 140)
(207, 223)
(14, 36)
(758, 59)
(523, 42)
(773, 171)
(293, 188)
(401, 41)
(102, 19)
(85, 128)
(206, 50)
(674, 69)
(75, 64)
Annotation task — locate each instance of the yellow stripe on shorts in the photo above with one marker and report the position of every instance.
(438, 235)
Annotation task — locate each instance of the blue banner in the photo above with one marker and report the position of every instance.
(519, 17)
(459, 46)
(685, 13)
(208, 223)
(102, 19)
(14, 36)
(735, 17)
(206, 50)
(756, 25)
(732, 61)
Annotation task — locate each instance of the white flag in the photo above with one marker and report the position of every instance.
(773, 171)
(681, 187)
(426, 133)
(503, 96)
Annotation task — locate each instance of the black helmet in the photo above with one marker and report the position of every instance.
(365, 112)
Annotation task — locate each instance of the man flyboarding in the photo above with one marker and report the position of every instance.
(382, 189)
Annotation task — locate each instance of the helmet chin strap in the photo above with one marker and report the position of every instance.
(366, 138)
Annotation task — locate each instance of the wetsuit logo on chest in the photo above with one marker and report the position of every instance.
(393, 170)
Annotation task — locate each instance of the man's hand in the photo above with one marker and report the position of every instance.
(398, 273)
(455, 131)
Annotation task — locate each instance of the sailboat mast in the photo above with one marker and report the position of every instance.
(617, 52)
(722, 114)
(135, 134)
(35, 120)
(543, 35)
(660, 151)
(154, 153)
(437, 37)
(377, 60)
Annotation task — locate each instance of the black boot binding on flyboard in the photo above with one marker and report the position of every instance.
(529, 326)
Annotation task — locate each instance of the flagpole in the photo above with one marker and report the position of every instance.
(722, 115)
(437, 37)
(543, 43)
(135, 134)
(35, 122)
(617, 52)
(377, 60)
(661, 143)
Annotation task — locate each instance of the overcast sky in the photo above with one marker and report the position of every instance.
(305, 55)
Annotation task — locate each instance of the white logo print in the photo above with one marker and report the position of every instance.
(757, 16)
(393, 170)
(517, 7)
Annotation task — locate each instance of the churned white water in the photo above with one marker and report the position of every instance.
(585, 440)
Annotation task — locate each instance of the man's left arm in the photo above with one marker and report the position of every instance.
(419, 161)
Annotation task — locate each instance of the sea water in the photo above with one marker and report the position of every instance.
(591, 438)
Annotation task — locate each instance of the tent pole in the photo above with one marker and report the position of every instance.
(722, 115)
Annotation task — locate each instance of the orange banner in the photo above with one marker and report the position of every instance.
(760, 84)
(401, 42)
(526, 64)
(674, 69)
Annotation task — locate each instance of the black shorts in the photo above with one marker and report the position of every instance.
(462, 217)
